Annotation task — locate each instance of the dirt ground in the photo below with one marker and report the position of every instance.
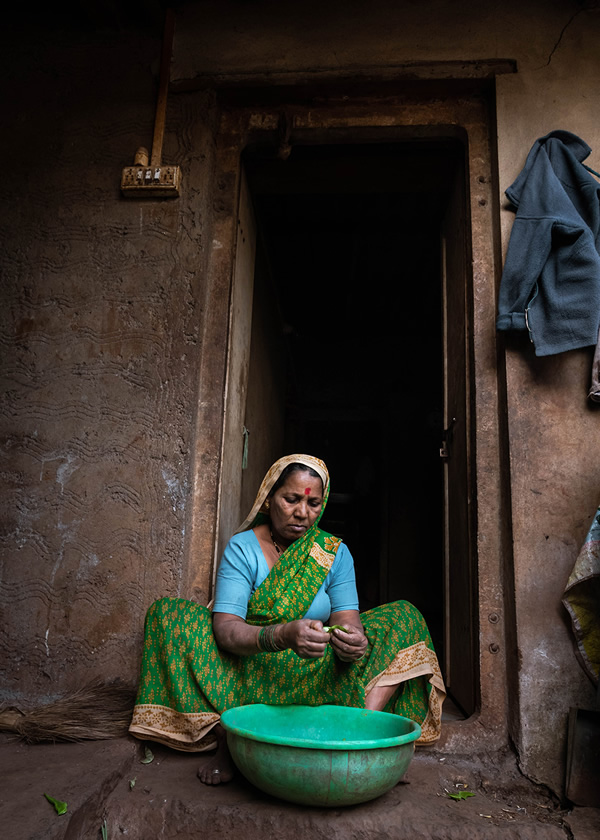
(105, 785)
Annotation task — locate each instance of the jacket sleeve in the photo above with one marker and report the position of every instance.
(528, 251)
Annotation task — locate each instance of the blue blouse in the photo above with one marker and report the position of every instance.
(243, 568)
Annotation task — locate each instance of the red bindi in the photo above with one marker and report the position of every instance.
(307, 491)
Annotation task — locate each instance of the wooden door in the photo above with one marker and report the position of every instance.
(460, 578)
(236, 386)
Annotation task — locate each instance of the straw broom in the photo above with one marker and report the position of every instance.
(94, 712)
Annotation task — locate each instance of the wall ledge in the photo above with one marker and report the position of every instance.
(409, 71)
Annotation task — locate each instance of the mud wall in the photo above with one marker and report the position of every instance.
(100, 338)
(553, 428)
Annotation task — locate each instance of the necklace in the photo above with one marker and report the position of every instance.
(278, 548)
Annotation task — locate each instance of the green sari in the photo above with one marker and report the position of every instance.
(187, 681)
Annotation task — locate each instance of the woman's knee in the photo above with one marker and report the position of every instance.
(159, 605)
(159, 609)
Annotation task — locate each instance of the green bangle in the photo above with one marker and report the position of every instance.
(266, 639)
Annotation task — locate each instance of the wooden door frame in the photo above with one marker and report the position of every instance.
(405, 115)
(460, 588)
(239, 334)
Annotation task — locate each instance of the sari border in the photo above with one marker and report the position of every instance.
(184, 731)
(428, 667)
(397, 671)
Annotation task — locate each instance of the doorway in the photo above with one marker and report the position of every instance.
(353, 312)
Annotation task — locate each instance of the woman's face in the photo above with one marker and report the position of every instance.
(295, 506)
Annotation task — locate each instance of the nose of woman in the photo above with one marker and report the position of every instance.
(301, 510)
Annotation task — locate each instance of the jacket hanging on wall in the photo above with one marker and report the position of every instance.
(551, 279)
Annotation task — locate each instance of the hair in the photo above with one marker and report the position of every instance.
(290, 470)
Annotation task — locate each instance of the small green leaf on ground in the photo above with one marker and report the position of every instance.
(104, 831)
(148, 756)
(132, 783)
(462, 794)
(61, 807)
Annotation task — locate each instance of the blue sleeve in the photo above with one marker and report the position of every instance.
(527, 254)
(235, 580)
(342, 585)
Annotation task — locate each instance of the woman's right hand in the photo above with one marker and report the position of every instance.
(306, 637)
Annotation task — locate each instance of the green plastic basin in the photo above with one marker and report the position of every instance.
(320, 755)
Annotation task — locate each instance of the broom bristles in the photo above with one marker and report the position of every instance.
(94, 712)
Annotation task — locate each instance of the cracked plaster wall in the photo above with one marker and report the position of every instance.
(554, 430)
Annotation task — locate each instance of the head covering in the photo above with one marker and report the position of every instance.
(272, 476)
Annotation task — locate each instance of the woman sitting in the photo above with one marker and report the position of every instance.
(280, 580)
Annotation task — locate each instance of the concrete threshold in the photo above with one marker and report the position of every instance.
(105, 784)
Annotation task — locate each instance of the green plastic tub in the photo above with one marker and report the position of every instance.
(320, 755)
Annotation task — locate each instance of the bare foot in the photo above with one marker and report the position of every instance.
(219, 768)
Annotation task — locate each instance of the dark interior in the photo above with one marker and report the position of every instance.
(349, 236)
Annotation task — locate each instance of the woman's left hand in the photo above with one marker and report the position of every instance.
(349, 646)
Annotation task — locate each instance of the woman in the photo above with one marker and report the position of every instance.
(280, 580)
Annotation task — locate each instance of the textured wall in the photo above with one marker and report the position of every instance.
(226, 38)
(553, 428)
(99, 340)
